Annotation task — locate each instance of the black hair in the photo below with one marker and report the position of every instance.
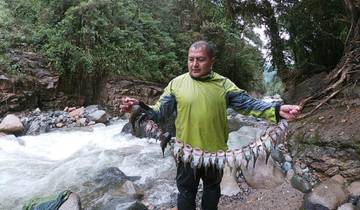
(210, 49)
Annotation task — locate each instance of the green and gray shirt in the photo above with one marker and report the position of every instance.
(200, 107)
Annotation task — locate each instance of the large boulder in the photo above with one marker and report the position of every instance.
(346, 206)
(11, 124)
(263, 176)
(98, 116)
(354, 188)
(110, 188)
(300, 184)
(327, 195)
(228, 183)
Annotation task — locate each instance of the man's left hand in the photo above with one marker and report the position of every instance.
(289, 112)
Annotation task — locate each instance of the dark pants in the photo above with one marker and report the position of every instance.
(187, 181)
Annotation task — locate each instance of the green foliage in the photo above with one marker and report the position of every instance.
(146, 39)
(317, 31)
(236, 58)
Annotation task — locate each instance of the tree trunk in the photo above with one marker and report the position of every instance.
(276, 44)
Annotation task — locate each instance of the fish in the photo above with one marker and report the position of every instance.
(247, 155)
(165, 138)
(268, 146)
(196, 160)
(178, 152)
(142, 126)
(213, 159)
(255, 152)
(230, 159)
(239, 157)
(206, 160)
(186, 158)
(220, 163)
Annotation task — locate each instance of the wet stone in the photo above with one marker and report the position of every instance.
(288, 157)
(346, 206)
(136, 205)
(277, 156)
(300, 184)
(72, 203)
(263, 176)
(311, 206)
(289, 174)
(338, 178)
(297, 168)
(327, 194)
(286, 166)
(354, 188)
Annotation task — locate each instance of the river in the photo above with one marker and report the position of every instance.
(51, 162)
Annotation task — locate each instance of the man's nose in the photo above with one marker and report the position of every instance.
(196, 63)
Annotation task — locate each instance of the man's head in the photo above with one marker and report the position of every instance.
(200, 59)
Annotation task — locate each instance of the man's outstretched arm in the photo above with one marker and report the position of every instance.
(164, 107)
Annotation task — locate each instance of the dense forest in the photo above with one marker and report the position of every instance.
(149, 39)
(63, 61)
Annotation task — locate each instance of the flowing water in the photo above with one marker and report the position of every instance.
(41, 165)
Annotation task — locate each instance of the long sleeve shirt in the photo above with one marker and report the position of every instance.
(200, 107)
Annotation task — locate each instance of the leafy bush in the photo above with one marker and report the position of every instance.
(146, 39)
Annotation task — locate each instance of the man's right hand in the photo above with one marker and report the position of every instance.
(127, 103)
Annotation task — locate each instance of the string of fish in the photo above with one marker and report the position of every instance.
(233, 158)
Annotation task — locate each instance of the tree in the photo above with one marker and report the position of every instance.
(262, 13)
(345, 74)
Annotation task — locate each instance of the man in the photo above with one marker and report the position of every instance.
(200, 99)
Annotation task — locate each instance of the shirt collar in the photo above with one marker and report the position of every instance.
(207, 77)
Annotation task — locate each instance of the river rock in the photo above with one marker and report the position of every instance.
(81, 122)
(77, 113)
(236, 121)
(228, 183)
(92, 108)
(98, 116)
(346, 206)
(288, 158)
(354, 188)
(112, 176)
(11, 124)
(300, 184)
(286, 166)
(339, 179)
(243, 136)
(277, 155)
(263, 175)
(109, 188)
(72, 203)
(135, 205)
(38, 125)
(129, 188)
(328, 195)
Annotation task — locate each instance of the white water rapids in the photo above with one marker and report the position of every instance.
(55, 161)
(49, 163)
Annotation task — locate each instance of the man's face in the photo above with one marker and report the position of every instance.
(199, 62)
